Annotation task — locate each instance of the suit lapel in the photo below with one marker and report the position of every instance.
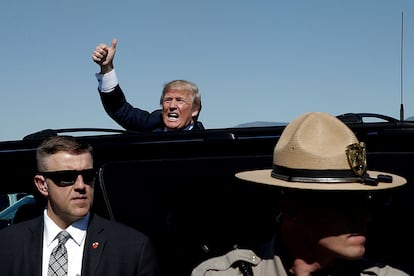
(33, 246)
(94, 246)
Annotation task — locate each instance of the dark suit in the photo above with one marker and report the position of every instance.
(133, 118)
(122, 250)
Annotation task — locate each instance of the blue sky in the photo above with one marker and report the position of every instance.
(252, 60)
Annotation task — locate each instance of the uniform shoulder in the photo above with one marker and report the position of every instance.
(225, 263)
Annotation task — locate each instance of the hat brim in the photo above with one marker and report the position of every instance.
(264, 177)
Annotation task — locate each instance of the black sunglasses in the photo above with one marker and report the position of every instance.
(68, 177)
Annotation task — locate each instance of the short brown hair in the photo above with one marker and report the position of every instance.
(55, 144)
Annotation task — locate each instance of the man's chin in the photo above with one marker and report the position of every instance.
(172, 125)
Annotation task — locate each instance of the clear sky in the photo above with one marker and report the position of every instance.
(253, 60)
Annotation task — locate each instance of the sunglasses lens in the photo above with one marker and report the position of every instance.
(68, 178)
(88, 176)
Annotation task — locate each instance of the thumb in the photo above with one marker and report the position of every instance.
(114, 42)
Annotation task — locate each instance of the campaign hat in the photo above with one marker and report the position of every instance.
(317, 151)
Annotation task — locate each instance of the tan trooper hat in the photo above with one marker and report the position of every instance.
(317, 151)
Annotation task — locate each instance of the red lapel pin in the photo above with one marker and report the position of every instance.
(95, 245)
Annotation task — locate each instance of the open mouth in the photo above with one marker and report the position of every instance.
(172, 116)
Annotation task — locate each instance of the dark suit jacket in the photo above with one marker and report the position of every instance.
(122, 250)
(133, 118)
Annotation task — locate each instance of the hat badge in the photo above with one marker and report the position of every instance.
(357, 158)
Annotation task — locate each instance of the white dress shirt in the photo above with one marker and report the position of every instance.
(107, 82)
(74, 245)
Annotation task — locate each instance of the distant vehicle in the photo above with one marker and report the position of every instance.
(180, 189)
(10, 203)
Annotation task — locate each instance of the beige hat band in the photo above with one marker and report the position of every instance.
(326, 176)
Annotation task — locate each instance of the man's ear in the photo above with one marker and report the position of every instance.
(41, 185)
(195, 113)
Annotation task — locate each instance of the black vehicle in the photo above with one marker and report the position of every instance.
(180, 189)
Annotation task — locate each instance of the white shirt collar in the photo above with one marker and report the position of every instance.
(77, 230)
